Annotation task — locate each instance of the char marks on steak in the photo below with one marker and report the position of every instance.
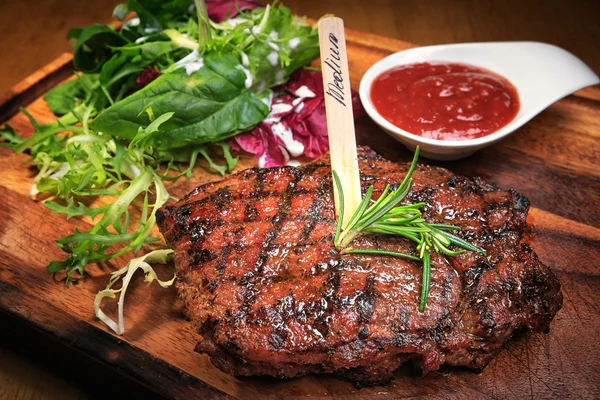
(262, 282)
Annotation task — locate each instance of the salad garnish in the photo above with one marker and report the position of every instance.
(148, 101)
(125, 274)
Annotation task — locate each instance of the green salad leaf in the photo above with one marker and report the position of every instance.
(222, 92)
(9, 136)
(285, 41)
(155, 15)
(92, 46)
(68, 96)
(147, 50)
(150, 100)
(93, 165)
(212, 104)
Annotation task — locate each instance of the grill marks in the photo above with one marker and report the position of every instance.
(262, 282)
(329, 300)
(270, 237)
(247, 282)
(366, 300)
(197, 228)
(277, 221)
(314, 211)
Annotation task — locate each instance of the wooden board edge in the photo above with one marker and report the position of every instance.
(165, 379)
(35, 85)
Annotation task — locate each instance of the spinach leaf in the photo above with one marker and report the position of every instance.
(235, 116)
(65, 98)
(111, 68)
(148, 21)
(147, 51)
(131, 59)
(209, 105)
(92, 47)
(120, 73)
(154, 15)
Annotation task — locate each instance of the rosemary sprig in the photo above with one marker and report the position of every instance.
(387, 216)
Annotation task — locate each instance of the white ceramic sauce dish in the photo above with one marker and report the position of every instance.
(541, 73)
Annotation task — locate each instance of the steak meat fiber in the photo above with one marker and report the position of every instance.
(260, 278)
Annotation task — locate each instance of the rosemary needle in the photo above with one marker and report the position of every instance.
(386, 216)
(349, 250)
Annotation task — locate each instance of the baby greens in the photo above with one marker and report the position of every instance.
(149, 99)
(212, 104)
(222, 89)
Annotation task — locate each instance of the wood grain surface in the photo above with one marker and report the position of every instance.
(38, 364)
(553, 161)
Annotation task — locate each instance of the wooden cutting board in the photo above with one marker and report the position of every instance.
(554, 161)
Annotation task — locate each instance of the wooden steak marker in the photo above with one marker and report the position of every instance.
(340, 120)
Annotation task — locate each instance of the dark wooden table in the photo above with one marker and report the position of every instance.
(28, 370)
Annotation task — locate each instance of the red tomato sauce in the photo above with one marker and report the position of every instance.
(447, 101)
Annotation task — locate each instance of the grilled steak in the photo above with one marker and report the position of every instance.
(261, 280)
